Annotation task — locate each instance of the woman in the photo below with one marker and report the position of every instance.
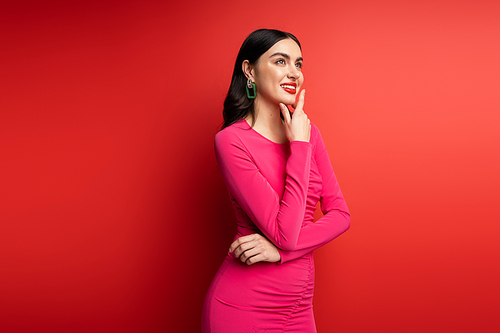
(276, 168)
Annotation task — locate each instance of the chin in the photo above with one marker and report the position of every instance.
(288, 101)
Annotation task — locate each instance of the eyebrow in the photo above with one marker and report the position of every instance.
(284, 55)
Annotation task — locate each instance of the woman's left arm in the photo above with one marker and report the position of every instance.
(335, 221)
(253, 248)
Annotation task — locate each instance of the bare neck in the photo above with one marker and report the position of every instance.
(268, 122)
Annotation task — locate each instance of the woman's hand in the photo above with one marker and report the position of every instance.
(254, 248)
(297, 126)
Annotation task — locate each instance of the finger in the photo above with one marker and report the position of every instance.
(256, 242)
(250, 253)
(244, 247)
(285, 112)
(300, 103)
(234, 245)
(239, 241)
(255, 259)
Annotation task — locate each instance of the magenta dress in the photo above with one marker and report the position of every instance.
(274, 189)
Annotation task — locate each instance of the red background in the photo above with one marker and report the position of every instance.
(113, 216)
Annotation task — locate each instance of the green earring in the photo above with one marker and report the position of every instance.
(251, 90)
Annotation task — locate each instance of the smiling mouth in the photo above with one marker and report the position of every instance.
(288, 88)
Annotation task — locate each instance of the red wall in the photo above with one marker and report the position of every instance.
(113, 216)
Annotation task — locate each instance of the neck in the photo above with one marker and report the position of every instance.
(268, 121)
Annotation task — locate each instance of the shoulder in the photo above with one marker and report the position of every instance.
(315, 135)
(314, 131)
(230, 137)
(317, 142)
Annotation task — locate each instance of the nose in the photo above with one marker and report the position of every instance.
(293, 73)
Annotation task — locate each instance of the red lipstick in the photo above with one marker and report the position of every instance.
(289, 87)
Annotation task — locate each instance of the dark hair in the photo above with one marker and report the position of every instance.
(237, 105)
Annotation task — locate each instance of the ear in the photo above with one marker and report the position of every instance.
(247, 69)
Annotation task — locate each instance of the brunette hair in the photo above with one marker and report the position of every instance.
(237, 105)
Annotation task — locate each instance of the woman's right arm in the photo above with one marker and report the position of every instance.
(279, 220)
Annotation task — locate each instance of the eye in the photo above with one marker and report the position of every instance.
(280, 61)
(298, 65)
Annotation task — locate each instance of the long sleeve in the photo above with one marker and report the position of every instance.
(279, 220)
(336, 219)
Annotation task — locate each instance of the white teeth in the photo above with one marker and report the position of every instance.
(287, 86)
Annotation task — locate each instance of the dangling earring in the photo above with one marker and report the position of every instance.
(251, 90)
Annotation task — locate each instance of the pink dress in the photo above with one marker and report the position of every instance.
(274, 189)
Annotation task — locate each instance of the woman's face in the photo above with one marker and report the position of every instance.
(278, 73)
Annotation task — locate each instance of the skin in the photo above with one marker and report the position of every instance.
(281, 64)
